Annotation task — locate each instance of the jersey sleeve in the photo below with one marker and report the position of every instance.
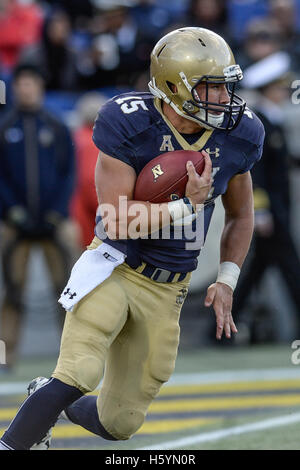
(111, 137)
(251, 157)
(253, 151)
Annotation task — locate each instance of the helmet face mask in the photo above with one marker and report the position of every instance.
(186, 58)
(231, 113)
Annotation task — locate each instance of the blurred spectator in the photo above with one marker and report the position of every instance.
(242, 12)
(283, 12)
(119, 49)
(263, 38)
(79, 11)
(284, 15)
(85, 202)
(152, 17)
(36, 183)
(54, 56)
(272, 241)
(210, 14)
(20, 26)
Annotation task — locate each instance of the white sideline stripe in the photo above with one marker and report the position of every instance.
(217, 435)
(250, 375)
(235, 376)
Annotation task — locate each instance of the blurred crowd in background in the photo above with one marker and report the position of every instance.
(61, 60)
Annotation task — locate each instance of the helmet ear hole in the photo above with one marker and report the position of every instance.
(172, 87)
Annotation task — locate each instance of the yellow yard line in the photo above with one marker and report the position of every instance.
(230, 387)
(204, 404)
(259, 386)
(220, 388)
(7, 414)
(263, 385)
(172, 425)
(212, 404)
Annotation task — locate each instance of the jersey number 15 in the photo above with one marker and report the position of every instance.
(134, 104)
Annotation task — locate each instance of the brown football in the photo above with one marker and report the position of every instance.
(164, 178)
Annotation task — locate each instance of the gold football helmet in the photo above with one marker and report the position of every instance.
(187, 57)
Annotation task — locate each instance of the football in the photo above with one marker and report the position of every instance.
(164, 178)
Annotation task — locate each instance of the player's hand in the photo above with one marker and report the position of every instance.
(220, 296)
(198, 187)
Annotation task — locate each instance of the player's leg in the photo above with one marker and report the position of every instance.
(140, 359)
(143, 355)
(88, 333)
(38, 414)
(84, 412)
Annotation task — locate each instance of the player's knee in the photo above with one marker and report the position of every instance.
(88, 373)
(123, 424)
(162, 362)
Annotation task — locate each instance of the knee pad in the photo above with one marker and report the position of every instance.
(88, 370)
(85, 374)
(122, 424)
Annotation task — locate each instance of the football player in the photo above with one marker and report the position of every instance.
(129, 322)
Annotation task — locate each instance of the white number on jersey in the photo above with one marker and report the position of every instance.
(134, 104)
(248, 113)
(214, 172)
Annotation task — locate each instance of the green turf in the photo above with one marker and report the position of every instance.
(234, 358)
(281, 438)
(200, 360)
(28, 368)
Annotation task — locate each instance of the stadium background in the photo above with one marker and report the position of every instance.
(271, 382)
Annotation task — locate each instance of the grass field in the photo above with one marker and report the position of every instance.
(219, 398)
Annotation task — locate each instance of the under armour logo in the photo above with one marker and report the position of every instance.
(214, 153)
(71, 296)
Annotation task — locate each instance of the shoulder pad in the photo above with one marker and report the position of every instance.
(120, 120)
(129, 113)
(250, 128)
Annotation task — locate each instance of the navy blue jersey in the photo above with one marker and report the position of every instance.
(132, 128)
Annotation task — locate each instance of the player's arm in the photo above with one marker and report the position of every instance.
(239, 219)
(115, 182)
(235, 242)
